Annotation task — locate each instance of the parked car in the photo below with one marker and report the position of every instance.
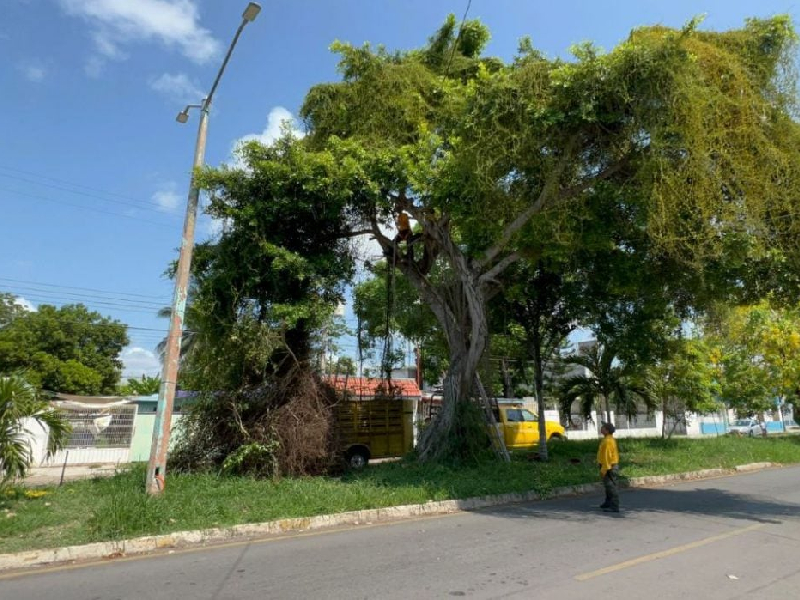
(520, 427)
(750, 427)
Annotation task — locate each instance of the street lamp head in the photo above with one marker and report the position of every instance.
(251, 12)
(183, 116)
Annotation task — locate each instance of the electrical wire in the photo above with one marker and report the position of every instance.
(60, 294)
(85, 289)
(84, 207)
(70, 183)
(154, 206)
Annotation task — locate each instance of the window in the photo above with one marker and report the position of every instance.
(514, 415)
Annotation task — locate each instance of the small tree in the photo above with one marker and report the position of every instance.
(146, 386)
(756, 350)
(684, 381)
(18, 403)
(607, 381)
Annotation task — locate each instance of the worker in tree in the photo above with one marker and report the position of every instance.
(404, 233)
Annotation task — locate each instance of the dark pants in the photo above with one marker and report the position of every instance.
(610, 482)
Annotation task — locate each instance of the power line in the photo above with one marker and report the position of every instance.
(84, 207)
(89, 303)
(85, 289)
(70, 183)
(78, 296)
(458, 37)
(154, 206)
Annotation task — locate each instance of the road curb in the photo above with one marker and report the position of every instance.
(183, 539)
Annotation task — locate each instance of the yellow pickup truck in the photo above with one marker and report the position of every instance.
(520, 427)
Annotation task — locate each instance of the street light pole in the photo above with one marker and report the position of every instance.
(156, 466)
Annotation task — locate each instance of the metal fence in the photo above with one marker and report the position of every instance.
(640, 421)
(102, 427)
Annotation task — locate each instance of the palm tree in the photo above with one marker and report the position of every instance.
(19, 402)
(607, 380)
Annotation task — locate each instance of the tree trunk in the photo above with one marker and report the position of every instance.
(538, 379)
(467, 338)
(508, 392)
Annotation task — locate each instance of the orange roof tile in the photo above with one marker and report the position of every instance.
(366, 386)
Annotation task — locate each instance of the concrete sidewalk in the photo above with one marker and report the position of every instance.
(43, 476)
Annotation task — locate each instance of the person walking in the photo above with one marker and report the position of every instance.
(608, 460)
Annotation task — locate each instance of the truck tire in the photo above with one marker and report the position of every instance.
(357, 458)
(556, 437)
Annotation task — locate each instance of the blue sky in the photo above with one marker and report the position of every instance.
(94, 169)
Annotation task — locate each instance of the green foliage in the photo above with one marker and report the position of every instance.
(18, 403)
(682, 142)
(9, 309)
(145, 386)
(608, 382)
(69, 349)
(755, 353)
(685, 380)
(257, 460)
(279, 268)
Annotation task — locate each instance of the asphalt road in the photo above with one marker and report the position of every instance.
(730, 537)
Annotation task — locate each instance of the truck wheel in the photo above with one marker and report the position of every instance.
(556, 437)
(357, 458)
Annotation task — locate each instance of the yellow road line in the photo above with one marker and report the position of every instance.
(664, 553)
(32, 571)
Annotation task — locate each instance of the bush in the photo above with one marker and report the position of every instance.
(282, 427)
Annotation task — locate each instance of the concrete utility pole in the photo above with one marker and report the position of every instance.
(157, 465)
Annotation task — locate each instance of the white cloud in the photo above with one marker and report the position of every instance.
(33, 71)
(178, 88)
(26, 304)
(139, 361)
(278, 120)
(214, 227)
(119, 23)
(167, 197)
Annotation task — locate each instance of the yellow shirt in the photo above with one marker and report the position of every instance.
(607, 454)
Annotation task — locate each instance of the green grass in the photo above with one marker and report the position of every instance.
(117, 507)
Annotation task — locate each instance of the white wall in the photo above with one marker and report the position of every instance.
(37, 439)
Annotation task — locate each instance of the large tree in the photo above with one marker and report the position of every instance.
(691, 132)
(687, 133)
(68, 349)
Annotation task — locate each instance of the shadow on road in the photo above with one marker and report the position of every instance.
(712, 502)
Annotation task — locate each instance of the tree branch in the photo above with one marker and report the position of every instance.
(501, 266)
(352, 234)
(545, 197)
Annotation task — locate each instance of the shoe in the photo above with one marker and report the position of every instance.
(610, 509)
(604, 506)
